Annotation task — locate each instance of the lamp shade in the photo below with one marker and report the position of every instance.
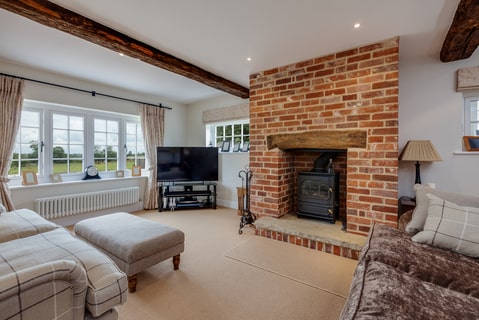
(419, 150)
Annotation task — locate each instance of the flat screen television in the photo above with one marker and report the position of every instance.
(187, 164)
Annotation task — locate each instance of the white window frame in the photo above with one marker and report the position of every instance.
(46, 161)
(468, 98)
(211, 132)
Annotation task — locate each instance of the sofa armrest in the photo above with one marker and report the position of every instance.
(404, 220)
(44, 291)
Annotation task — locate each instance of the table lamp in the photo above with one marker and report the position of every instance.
(419, 150)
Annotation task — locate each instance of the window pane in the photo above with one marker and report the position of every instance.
(112, 126)
(30, 165)
(112, 152)
(219, 131)
(76, 123)
(112, 165)
(76, 166)
(60, 121)
(246, 129)
(60, 136)
(30, 119)
(99, 152)
(29, 135)
(228, 131)
(60, 166)
(237, 130)
(112, 139)
(60, 151)
(76, 137)
(131, 128)
(100, 125)
(100, 138)
(76, 151)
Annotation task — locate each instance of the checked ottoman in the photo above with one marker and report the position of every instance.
(133, 243)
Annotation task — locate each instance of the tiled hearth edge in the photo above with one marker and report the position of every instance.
(324, 244)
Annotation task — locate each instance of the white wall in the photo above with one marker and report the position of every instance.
(431, 109)
(229, 163)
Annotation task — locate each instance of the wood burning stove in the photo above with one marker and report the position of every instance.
(318, 190)
(318, 195)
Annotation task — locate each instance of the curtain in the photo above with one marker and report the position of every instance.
(11, 100)
(153, 126)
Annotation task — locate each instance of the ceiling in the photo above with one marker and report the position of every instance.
(219, 36)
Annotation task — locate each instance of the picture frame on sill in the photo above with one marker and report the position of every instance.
(119, 173)
(56, 178)
(245, 147)
(471, 143)
(136, 171)
(236, 147)
(226, 146)
(29, 178)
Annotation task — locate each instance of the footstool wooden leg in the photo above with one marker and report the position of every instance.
(176, 262)
(132, 281)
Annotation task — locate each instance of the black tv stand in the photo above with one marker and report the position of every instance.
(186, 195)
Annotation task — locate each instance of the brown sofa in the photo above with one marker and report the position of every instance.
(397, 277)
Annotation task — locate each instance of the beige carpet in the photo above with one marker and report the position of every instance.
(318, 270)
(224, 275)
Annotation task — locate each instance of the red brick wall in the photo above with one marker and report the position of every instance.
(353, 89)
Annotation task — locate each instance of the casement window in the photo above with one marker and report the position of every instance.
(235, 132)
(26, 155)
(471, 115)
(55, 139)
(135, 146)
(106, 141)
(68, 136)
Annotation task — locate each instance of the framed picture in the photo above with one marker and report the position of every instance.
(119, 173)
(245, 147)
(136, 171)
(236, 147)
(471, 143)
(29, 178)
(226, 146)
(55, 178)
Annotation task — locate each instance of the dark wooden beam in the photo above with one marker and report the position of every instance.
(54, 16)
(462, 38)
(320, 139)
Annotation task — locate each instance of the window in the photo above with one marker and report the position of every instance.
(235, 132)
(68, 143)
(25, 154)
(471, 116)
(54, 139)
(106, 144)
(134, 147)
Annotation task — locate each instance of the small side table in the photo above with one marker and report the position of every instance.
(405, 204)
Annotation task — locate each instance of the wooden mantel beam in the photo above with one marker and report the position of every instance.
(462, 38)
(319, 139)
(55, 16)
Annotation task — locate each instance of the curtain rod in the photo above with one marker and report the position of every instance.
(93, 93)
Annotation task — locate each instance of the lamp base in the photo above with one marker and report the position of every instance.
(418, 173)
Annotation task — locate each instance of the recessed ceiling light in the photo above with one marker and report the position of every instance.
(357, 25)
(121, 54)
(248, 59)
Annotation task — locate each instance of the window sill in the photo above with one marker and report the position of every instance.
(17, 184)
(463, 153)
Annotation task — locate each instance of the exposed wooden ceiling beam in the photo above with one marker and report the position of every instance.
(462, 38)
(52, 15)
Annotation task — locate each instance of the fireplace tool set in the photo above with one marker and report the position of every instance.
(247, 218)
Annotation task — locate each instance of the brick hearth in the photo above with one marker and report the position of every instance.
(356, 89)
(313, 234)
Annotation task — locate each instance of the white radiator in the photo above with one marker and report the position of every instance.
(69, 205)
